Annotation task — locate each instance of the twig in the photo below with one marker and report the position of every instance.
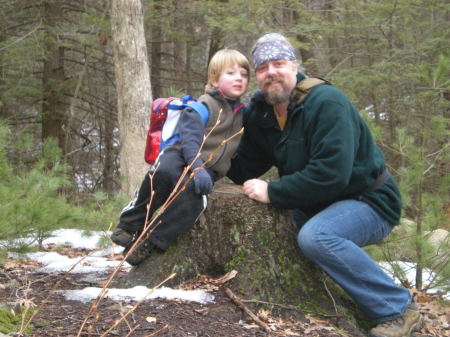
(116, 323)
(241, 305)
(158, 331)
(338, 317)
(133, 330)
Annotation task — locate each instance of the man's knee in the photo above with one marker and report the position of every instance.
(307, 241)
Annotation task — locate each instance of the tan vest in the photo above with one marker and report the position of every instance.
(215, 152)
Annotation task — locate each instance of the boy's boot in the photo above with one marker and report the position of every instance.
(122, 237)
(140, 253)
(402, 326)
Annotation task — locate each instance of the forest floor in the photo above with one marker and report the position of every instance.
(53, 315)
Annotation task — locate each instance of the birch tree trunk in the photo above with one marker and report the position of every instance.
(133, 88)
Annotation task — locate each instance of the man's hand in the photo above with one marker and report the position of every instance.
(257, 189)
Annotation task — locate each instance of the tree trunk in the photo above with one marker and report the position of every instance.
(156, 53)
(54, 117)
(259, 242)
(107, 123)
(133, 88)
(216, 42)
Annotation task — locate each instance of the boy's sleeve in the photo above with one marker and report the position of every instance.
(191, 131)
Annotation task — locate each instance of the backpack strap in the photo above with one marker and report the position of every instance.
(201, 109)
(189, 101)
(303, 88)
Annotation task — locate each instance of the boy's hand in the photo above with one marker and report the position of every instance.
(203, 182)
(257, 189)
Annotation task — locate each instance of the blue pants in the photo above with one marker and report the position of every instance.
(333, 239)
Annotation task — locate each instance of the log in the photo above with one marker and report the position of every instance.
(259, 242)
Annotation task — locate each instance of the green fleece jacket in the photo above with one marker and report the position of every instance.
(324, 154)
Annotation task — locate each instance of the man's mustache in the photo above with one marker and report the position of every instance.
(272, 79)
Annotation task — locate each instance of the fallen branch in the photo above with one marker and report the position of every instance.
(241, 305)
(291, 307)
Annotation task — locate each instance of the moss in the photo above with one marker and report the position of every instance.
(267, 273)
(185, 269)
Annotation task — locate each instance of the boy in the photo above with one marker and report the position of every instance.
(228, 75)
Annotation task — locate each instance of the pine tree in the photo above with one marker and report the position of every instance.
(31, 203)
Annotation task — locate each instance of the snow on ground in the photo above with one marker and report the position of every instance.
(409, 270)
(55, 262)
(99, 263)
(75, 238)
(139, 293)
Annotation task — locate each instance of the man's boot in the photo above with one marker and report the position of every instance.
(402, 326)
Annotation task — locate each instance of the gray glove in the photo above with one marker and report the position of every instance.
(203, 182)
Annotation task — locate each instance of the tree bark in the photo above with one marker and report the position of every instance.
(54, 116)
(107, 124)
(156, 46)
(133, 88)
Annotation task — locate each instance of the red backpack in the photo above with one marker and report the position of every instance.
(164, 118)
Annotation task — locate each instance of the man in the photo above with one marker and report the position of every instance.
(331, 174)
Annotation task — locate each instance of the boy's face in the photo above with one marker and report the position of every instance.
(233, 82)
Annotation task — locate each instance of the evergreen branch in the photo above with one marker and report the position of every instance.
(22, 37)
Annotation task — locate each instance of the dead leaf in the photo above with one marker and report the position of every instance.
(102, 284)
(203, 311)
(27, 303)
(225, 278)
(264, 315)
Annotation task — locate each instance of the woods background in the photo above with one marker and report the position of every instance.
(62, 77)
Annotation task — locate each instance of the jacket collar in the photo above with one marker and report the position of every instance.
(296, 92)
(235, 105)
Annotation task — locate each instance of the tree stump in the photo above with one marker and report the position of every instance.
(259, 242)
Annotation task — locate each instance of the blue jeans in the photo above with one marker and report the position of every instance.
(333, 239)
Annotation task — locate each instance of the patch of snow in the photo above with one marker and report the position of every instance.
(139, 293)
(409, 270)
(113, 250)
(96, 264)
(55, 262)
(75, 238)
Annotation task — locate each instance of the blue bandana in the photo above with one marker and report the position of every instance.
(272, 47)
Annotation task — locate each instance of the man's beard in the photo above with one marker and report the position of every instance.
(276, 95)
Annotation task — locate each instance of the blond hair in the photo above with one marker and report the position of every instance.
(222, 60)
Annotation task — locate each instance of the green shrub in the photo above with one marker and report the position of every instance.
(10, 321)
(31, 202)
